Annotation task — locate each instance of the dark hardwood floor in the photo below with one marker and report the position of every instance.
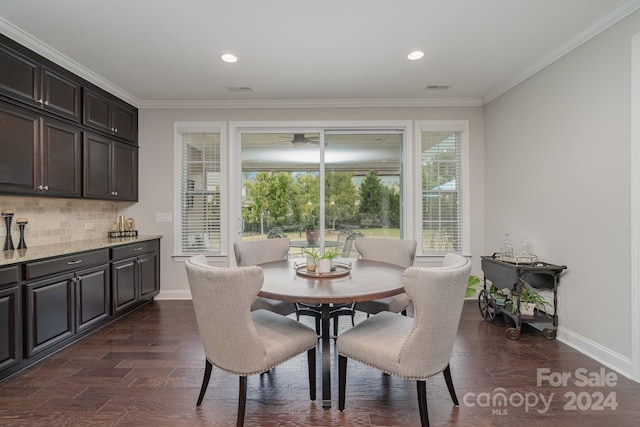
(146, 370)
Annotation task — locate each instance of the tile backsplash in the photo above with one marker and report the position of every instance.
(53, 220)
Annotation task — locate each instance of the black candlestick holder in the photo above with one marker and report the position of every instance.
(7, 214)
(22, 223)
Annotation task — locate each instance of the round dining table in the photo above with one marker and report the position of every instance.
(356, 280)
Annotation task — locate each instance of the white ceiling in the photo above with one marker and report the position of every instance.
(156, 53)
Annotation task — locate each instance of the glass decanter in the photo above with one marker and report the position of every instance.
(506, 249)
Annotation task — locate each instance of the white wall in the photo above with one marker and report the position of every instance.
(558, 170)
(156, 167)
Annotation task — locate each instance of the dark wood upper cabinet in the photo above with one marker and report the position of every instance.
(110, 115)
(44, 112)
(19, 140)
(110, 169)
(60, 95)
(39, 155)
(61, 159)
(25, 79)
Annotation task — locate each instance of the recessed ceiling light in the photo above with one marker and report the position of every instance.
(415, 55)
(229, 57)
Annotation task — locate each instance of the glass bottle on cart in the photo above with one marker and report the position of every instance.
(506, 248)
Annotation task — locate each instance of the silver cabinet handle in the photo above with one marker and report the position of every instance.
(74, 262)
(138, 249)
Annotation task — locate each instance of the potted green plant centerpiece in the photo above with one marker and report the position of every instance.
(312, 258)
(325, 260)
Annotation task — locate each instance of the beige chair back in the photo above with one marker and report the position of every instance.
(393, 251)
(222, 299)
(260, 251)
(438, 295)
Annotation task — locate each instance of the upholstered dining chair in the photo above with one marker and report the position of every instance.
(258, 252)
(401, 252)
(236, 339)
(412, 348)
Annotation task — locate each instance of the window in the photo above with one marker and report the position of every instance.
(443, 226)
(200, 189)
(345, 183)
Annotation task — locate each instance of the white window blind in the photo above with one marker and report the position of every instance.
(442, 226)
(200, 186)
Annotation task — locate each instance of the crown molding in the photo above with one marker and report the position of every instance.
(314, 103)
(621, 12)
(27, 40)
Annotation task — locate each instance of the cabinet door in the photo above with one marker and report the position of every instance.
(148, 275)
(97, 166)
(125, 171)
(92, 296)
(19, 140)
(96, 111)
(10, 327)
(61, 95)
(124, 284)
(125, 122)
(19, 76)
(50, 317)
(61, 159)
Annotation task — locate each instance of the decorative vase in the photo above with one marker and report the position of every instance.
(324, 266)
(313, 236)
(311, 263)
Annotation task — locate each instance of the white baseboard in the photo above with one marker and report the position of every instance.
(169, 295)
(607, 357)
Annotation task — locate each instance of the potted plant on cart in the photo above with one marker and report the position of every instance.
(531, 302)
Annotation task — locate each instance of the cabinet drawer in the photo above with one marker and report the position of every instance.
(128, 251)
(9, 275)
(37, 269)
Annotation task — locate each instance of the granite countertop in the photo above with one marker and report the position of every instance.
(47, 251)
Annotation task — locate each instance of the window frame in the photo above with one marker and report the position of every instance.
(461, 126)
(179, 128)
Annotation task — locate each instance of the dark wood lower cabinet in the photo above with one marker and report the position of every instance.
(46, 304)
(92, 296)
(49, 312)
(125, 289)
(10, 327)
(135, 279)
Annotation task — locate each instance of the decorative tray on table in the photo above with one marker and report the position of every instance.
(338, 269)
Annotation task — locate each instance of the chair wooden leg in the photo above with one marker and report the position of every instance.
(422, 403)
(335, 328)
(205, 382)
(449, 381)
(242, 401)
(317, 325)
(342, 381)
(311, 361)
